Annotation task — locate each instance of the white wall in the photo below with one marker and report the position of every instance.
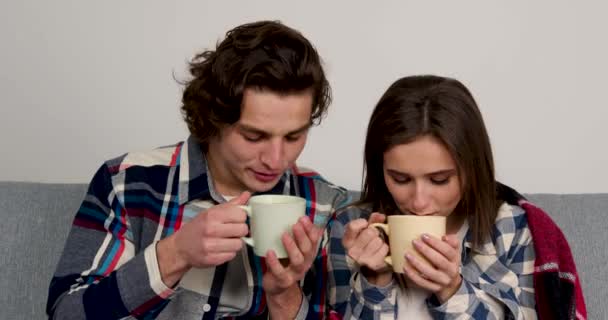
(83, 81)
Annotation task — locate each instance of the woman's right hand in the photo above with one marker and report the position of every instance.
(364, 245)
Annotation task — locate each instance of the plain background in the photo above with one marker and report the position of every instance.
(85, 81)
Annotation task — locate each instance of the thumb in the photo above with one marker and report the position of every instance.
(376, 217)
(241, 199)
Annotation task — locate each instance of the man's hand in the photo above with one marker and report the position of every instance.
(212, 238)
(281, 283)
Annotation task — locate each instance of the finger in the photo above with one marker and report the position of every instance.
(241, 199)
(275, 267)
(443, 247)
(415, 276)
(296, 257)
(306, 223)
(431, 274)
(217, 245)
(421, 282)
(314, 233)
(366, 236)
(370, 256)
(452, 240)
(376, 217)
(377, 259)
(219, 258)
(358, 247)
(373, 246)
(232, 214)
(302, 239)
(225, 230)
(433, 256)
(352, 231)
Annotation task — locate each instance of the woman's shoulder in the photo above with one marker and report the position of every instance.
(511, 227)
(511, 217)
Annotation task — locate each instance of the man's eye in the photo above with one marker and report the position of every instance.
(292, 138)
(252, 138)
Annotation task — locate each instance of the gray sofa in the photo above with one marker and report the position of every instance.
(36, 218)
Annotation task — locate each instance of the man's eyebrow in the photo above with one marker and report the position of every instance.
(255, 130)
(251, 129)
(300, 129)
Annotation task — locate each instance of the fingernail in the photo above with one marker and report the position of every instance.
(425, 236)
(417, 242)
(409, 256)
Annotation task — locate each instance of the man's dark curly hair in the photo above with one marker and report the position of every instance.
(265, 55)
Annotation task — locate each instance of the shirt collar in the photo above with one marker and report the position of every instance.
(487, 247)
(195, 181)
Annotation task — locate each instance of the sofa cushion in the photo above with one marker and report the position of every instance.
(36, 219)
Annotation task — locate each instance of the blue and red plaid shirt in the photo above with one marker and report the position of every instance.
(109, 268)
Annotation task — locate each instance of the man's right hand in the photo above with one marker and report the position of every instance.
(210, 239)
(364, 245)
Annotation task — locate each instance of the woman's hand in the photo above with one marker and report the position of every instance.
(443, 277)
(364, 245)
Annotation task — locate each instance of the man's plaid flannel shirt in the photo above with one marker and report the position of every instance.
(109, 267)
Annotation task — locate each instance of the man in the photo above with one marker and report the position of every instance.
(158, 234)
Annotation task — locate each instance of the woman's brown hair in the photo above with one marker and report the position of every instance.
(445, 109)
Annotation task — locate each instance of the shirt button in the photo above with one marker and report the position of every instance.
(206, 307)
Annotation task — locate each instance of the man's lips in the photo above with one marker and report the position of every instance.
(265, 176)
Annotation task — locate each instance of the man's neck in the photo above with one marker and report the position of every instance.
(220, 178)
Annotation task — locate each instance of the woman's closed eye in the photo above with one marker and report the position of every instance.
(399, 179)
(440, 180)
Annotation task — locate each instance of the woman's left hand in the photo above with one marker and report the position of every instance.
(443, 277)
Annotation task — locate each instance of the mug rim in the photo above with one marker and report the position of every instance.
(263, 199)
(407, 216)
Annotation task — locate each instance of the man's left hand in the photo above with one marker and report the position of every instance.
(281, 283)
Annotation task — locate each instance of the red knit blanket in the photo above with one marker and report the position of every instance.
(556, 283)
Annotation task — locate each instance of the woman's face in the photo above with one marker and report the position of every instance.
(422, 177)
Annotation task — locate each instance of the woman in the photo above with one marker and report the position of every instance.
(427, 152)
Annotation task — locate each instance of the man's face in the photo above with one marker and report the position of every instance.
(253, 153)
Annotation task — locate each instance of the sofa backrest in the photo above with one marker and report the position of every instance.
(37, 217)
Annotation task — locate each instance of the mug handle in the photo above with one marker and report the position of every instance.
(248, 240)
(386, 230)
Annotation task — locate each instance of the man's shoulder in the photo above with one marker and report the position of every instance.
(325, 191)
(152, 169)
(354, 211)
(160, 157)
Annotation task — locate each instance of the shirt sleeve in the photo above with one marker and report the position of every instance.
(350, 295)
(101, 274)
(513, 292)
(315, 284)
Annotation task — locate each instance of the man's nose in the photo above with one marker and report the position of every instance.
(274, 155)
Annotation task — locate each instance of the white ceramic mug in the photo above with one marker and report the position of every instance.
(271, 216)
